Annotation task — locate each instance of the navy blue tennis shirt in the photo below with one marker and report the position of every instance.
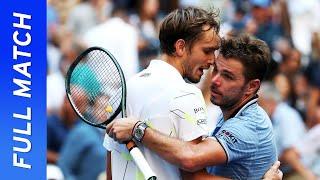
(248, 141)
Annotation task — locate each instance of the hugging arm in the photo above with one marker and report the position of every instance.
(188, 155)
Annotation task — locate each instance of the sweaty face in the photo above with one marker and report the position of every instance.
(227, 83)
(201, 55)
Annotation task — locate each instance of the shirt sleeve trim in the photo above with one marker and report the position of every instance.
(224, 148)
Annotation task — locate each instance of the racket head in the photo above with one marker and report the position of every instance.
(95, 87)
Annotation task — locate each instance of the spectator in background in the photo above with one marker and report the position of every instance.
(313, 68)
(315, 45)
(186, 3)
(288, 129)
(304, 20)
(52, 18)
(282, 49)
(82, 157)
(267, 30)
(302, 90)
(309, 147)
(118, 37)
(55, 92)
(239, 20)
(290, 64)
(313, 76)
(87, 14)
(68, 50)
(58, 127)
(53, 52)
(285, 88)
(280, 15)
(147, 22)
(251, 27)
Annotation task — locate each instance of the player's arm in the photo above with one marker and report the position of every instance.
(272, 174)
(188, 150)
(291, 156)
(188, 155)
(193, 155)
(201, 174)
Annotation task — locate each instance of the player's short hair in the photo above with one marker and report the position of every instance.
(252, 53)
(187, 24)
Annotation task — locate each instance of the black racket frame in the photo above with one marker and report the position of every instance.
(121, 107)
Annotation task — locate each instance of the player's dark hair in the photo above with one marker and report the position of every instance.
(187, 24)
(254, 55)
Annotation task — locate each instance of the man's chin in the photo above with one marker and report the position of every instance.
(193, 80)
(214, 101)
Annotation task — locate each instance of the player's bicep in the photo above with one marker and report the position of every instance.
(201, 174)
(208, 152)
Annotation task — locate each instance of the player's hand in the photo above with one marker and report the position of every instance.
(121, 129)
(274, 173)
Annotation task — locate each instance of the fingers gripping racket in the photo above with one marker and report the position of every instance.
(96, 89)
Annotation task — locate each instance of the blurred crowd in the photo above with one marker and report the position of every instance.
(129, 30)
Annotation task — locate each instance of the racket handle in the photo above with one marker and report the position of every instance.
(140, 161)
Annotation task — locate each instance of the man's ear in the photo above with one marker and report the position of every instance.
(180, 46)
(253, 86)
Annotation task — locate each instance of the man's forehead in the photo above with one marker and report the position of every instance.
(211, 37)
(230, 64)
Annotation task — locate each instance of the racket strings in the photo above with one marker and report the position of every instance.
(110, 69)
(96, 80)
(112, 78)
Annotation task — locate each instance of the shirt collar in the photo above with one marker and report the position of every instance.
(249, 103)
(165, 69)
(221, 120)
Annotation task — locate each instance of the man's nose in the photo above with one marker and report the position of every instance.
(211, 59)
(216, 80)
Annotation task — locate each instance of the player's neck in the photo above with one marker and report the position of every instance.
(229, 112)
(173, 61)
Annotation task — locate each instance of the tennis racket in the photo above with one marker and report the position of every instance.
(96, 89)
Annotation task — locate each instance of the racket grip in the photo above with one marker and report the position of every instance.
(140, 161)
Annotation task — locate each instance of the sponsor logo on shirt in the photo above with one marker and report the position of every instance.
(199, 109)
(201, 121)
(200, 115)
(228, 136)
